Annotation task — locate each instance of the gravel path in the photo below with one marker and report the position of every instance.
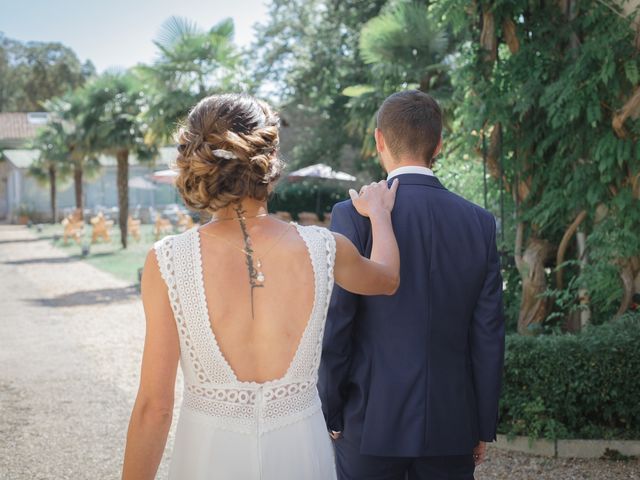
(70, 345)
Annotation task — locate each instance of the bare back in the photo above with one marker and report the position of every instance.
(260, 345)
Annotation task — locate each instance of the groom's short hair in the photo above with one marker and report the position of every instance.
(411, 123)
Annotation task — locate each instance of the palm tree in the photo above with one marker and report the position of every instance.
(112, 124)
(191, 64)
(66, 112)
(405, 49)
(52, 164)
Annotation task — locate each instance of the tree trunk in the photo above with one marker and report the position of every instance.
(77, 184)
(488, 38)
(629, 269)
(52, 194)
(122, 157)
(583, 293)
(564, 243)
(533, 308)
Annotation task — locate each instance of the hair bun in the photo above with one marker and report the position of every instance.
(228, 150)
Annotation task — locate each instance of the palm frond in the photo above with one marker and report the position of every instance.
(405, 34)
(174, 30)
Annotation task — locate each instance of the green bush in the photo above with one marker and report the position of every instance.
(316, 196)
(583, 385)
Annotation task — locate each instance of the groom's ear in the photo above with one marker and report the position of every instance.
(436, 152)
(380, 145)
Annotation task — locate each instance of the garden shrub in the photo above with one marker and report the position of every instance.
(584, 385)
(316, 196)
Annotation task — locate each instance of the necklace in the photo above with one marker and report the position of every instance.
(259, 276)
(240, 218)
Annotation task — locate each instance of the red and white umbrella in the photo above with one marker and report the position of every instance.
(164, 176)
(320, 170)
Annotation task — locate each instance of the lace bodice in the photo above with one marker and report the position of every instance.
(211, 387)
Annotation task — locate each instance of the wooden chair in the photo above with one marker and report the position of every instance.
(133, 228)
(308, 218)
(185, 222)
(162, 226)
(101, 227)
(73, 227)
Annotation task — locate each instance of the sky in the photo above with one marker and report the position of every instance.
(119, 33)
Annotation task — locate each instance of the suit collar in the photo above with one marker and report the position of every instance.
(418, 179)
(409, 169)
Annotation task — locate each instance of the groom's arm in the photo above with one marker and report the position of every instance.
(487, 344)
(337, 343)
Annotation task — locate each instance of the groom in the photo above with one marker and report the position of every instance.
(410, 382)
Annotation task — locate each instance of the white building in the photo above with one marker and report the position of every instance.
(20, 192)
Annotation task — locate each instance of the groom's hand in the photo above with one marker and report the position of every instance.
(479, 453)
(335, 435)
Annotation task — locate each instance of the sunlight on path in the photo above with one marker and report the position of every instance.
(71, 338)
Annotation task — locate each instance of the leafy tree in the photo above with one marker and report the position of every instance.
(52, 164)
(33, 72)
(306, 55)
(192, 64)
(551, 87)
(112, 124)
(65, 113)
(406, 48)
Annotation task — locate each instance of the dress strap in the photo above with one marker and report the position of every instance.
(322, 247)
(164, 255)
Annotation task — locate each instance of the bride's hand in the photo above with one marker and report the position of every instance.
(374, 198)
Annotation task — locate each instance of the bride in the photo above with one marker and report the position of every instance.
(240, 303)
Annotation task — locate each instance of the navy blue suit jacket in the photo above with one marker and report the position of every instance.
(418, 373)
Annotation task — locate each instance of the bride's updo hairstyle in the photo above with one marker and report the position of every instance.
(228, 150)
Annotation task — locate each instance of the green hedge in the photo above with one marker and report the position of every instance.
(583, 385)
(316, 196)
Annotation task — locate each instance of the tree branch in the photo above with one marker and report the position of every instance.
(564, 243)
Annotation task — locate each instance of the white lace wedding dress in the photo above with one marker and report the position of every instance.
(230, 429)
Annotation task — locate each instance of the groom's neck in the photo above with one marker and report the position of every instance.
(409, 162)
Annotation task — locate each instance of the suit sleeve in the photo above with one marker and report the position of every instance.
(337, 343)
(487, 344)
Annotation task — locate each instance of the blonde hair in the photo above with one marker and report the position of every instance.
(228, 150)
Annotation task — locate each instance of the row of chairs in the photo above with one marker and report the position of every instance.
(74, 225)
(163, 226)
(101, 226)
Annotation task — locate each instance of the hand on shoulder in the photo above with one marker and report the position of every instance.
(375, 198)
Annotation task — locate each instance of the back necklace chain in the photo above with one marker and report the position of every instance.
(254, 264)
(250, 253)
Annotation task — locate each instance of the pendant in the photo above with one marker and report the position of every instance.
(259, 274)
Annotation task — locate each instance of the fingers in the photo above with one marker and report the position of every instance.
(479, 453)
(353, 194)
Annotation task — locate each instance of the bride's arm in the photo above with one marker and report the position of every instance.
(153, 409)
(379, 275)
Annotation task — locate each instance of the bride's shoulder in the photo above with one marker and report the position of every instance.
(317, 232)
(168, 242)
(312, 229)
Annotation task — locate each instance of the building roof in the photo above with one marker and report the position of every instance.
(21, 158)
(21, 125)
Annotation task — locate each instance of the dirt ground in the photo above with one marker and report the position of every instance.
(70, 346)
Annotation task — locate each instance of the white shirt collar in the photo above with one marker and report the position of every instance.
(410, 169)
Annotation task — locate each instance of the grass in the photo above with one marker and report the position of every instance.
(107, 256)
